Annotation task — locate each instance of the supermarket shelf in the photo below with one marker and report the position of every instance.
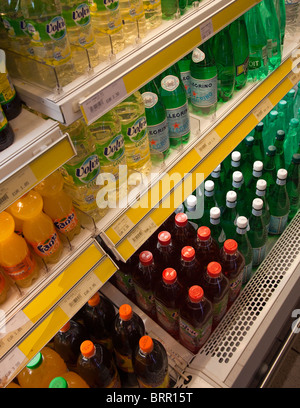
(38, 317)
(39, 149)
(125, 229)
(112, 81)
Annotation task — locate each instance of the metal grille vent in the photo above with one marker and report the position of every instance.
(226, 344)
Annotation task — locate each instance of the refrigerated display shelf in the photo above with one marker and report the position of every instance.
(112, 82)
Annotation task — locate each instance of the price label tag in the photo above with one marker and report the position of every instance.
(262, 109)
(207, 143)
(9, 366)
(17, 185)
(13, 330)
(123, 226)
(80, 294)
(294, 76)
(142, 232)
(206, 29)
(101, 102)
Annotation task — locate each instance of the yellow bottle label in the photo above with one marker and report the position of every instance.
(3, 120)
(7, 90)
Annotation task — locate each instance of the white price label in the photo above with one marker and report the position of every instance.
(142, 232)
(13, 330)
(9, 366)
(101, 102)
(123, 225)
(263, 109)
(206, 29)
(207, 143)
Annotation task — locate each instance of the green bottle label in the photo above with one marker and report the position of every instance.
(194, 336)
(15, 27)
(136, 131)
(85, 172)
(144, 299)
(3, 120)
(80, 16)
(168, 317)
(112, 152)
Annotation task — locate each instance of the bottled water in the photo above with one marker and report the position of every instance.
(292, 8)
(134, 21)
(153, 13)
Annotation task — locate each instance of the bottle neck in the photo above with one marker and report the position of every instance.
(215, 221)
(230, 204)
(256, 213)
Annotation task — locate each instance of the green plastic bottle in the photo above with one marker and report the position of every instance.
(258, 58)
(258, 145)
(279, 144)
(271, 129)
(157, 123)
(293, 185)
(174, 98)
(170, 9)
(261, 190)
(238, 185)
(239, 39)
(282, 115)
(271, 24)
(185, 73)
(224, 58)
(247, 158)
(269, 171)
(204, 82)
(230, 214)
(257, 233)
(281, 14)
(279, 204)
(215, 226)
(291, 141)
(290, 98)
(241, 237)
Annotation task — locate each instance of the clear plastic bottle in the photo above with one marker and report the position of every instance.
(183, 232)
(191, 271)
(134, 129)
(166, 253)
(134, 20)
(207, 249)
(153, 13)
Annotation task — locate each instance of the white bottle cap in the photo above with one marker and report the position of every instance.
(209, 185)
(231, 196)
(191, 201)
(218, 168)
(242, 222)
(282, 174)
(236, 156)
(258, 165)
(237, 176)
(261, 184)
(257, 203)
(215, 213)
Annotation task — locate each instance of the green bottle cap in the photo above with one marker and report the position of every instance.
(282, 104)
(259, 127)
(296, 158)
(58, 382)
(294, 122)
(271, 151)
(273, 115)
(36, 361)
(280, 134)
(291, 93)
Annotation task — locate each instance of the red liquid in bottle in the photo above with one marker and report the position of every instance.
(191, 271)
(207, 249)
(166, 254)
(232, 262)
(183, 233)
(216, 289)
(167, 300)
(195, 319)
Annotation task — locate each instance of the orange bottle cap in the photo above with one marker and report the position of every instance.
(125, 312)
(187, 253)
(203, 233)
(7, 225)
(94, 300)
(146, 344)
(28, 206)
(164, 238)
(146, 258)
(66, 327)
(214, 269)
(196, 293)
(87, 348)
(51, 185)
(230, 246)
(169, 276)
(181, 219)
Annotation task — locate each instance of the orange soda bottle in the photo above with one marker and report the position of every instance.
(58, 205)
(68, 380)
(96, 366)
(46, 365)
(16, 259)
(38, 228)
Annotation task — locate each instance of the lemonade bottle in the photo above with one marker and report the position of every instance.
(134, 129)
(38, 228)
(107, 25)
(134, 20)
(15, 258)
(58, 205)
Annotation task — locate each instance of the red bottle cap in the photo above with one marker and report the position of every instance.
(214, 269)
(125, 312)
(187, 253)
(94, 300)
(87, 348)
(196, 293)
(203, 233)
(146, 344)
(181, 219)
(66, 327)
(169, 276)
(146, 258)
(230, 246)
(164, 238)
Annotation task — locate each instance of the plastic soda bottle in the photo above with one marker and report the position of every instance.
(239, 38)
(230, 214)
(67, 342)
(204, 80)
(80, 173)
(96, 366)
(98, 318)
(216, 289)
(195, 319)
(257, 233)
(175, 100)
(16, 259)
(80, 32)
(216, 229)
(224, 57)
(293, 185)
(38, 373)
(134, 20)
(134, 129)
(258, 44)
(183, 232)
(279, 144)
(241, 237)
(69, 380)
(258, 145)
(150, 364)
(168, 294)
(261, 189)
(271, 24)
(9, 99)
(291, 141)
(128, 329)
(38, 228)
(170, 9)
(58, 205)
(207, 249)
(184, 67)
(166, 253)
(233, 264)
(191, 271)
(107, 26)
(157, 122)
(279, 204)
(153, 13)
(145, 276)
(7, 135)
